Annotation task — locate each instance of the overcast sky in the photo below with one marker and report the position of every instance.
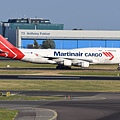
(81, 14)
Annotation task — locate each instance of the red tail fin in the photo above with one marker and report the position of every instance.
(8, 50)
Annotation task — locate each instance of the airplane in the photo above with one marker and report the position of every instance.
(64, 58)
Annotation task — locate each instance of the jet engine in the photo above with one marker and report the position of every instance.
(67, 62)
(80, 63)
(84, 64)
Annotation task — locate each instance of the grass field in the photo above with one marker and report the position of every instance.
(23, 97)
(69, 85)
(91, 72)
(21, 64)
(61, 72)
(6, 114)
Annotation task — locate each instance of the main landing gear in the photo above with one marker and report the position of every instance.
(118, 67)
(63, 67)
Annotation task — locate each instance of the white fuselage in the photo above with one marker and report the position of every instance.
(92, 55)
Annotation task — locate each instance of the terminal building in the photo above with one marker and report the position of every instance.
(22, 32)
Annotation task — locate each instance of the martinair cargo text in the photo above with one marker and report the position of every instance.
(81, 57)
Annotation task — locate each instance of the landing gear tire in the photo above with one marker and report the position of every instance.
(62, 67)
(118, 67)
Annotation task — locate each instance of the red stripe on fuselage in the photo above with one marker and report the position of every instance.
(109, 54)
(106, 54)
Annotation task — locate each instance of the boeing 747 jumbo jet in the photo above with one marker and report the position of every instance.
(81, 57)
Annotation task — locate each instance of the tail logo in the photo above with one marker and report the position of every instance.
(8, 50)
(109, 54)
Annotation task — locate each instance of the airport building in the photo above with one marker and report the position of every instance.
(22, 31)
(67, 39)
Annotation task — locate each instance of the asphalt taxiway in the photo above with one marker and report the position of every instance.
(51, 77)
(75, 106)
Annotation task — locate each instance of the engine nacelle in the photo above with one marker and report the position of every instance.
(80, 63)
(67, 62)
(84, 64)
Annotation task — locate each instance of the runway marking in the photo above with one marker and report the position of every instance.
(46, 110)
(88, 98)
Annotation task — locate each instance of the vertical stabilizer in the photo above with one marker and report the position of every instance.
(8, 50)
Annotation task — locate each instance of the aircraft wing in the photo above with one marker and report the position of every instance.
(71, 61)
(61, 59)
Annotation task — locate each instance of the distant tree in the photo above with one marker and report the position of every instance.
(36, 46)
(77, 29)
(48, 44)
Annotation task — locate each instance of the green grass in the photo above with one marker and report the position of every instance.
(68, 85)
(64, 72)
(23, 97)
(92, 72)
(6, 114)
(19, 72)
(21, 64)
